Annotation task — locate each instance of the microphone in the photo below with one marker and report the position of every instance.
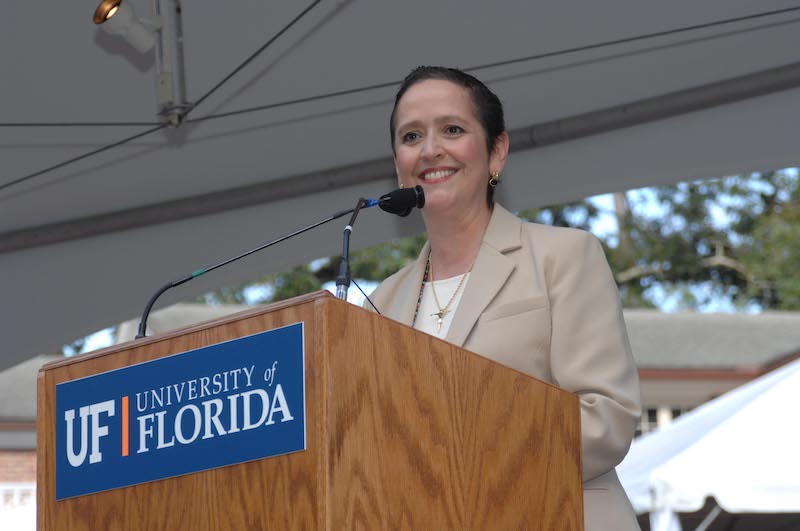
(402, 201)
(362, 203)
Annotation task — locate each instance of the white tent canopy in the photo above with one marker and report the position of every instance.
(740, 449)
(18, 517)
(194, 195)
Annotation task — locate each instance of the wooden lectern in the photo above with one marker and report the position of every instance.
(404, 431)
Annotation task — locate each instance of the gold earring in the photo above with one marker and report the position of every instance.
(402, 186)
(494, 180)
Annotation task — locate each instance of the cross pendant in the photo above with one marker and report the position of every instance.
(439, 321)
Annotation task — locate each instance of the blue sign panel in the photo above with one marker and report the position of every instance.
(215, 406)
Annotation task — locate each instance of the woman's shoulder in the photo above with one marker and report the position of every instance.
(399, 277)
(564, 248)
(389, 286)
(541, 232)
(558, 237)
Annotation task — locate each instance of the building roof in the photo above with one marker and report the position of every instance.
(18, 390)
(672, 341)
(712, 341)
(18, 383)
(178, 315)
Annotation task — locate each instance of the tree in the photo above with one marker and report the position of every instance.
(374, 263)
(772, 258)
(736, 238)
(718, 234)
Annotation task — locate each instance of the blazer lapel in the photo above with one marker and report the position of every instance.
(407, 299)
(489, 274)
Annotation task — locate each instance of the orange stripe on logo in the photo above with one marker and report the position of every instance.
(124, 426)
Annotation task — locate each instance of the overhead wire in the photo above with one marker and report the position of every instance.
(344, 92)
(285, 103)
(125, 140)
(255, 54)
(78, 124)
(485, 66)
(626, 40)
(81, 157)
(375, 86)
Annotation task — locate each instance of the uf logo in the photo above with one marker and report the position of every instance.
(91, 412)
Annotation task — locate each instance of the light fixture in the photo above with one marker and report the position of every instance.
(106, 10)
(118, 18)
(164, 31)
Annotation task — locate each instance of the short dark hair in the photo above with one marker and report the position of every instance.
(488, 108)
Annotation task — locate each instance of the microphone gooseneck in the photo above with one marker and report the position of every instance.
(143, 322)
(343, 279)
(402, 201)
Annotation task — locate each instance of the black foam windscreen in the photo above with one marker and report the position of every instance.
(402, 201)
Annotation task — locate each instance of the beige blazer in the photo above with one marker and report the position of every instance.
(542, 300)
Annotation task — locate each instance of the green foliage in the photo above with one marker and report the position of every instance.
(76, 347)
(737, 238)
(373, 263)
(772, 256)
(578, 214)
(380, 261)
(295, 282)
(228, 295)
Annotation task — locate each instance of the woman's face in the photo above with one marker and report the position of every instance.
(440, 144)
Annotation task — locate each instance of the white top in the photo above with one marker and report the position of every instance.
(426, 320)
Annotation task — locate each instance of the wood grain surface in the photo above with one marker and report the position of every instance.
(282, 492)
(403, 432)
(425, 435)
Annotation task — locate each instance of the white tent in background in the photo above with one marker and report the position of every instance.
(741, 449)
(20, 517)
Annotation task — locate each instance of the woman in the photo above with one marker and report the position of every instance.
(539, 299)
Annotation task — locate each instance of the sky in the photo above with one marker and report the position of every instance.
(642, 201)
